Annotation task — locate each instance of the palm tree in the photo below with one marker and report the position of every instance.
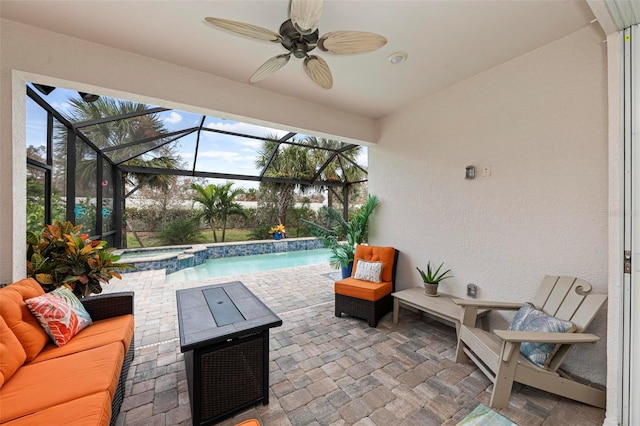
(227, 205)
(118, 134)
(341, 168)
(206, 197)
(217, 204)
(289, 161)
(335, 229)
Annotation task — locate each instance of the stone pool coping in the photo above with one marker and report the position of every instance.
(197, 254)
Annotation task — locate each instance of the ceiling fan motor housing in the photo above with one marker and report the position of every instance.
(297, 43)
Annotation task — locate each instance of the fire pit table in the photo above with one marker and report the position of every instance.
(224, 335)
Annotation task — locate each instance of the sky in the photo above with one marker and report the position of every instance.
(217, 152)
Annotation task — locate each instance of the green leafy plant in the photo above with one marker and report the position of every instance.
(183, 230)
(61, 255)
(342, 255)
(433, 275)
(340, 236)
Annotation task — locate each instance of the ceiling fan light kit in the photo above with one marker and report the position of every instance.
(300, 35)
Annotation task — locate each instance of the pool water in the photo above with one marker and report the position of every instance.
(246, 264)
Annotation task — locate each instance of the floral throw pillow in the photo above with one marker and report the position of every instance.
(60, 314)
(368, 271)
(529, 318)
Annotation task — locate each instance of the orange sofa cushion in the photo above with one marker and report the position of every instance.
(362, 289)
(18, 317)
(100, 333)
(385, 255)
(38, 386)
(12, 354)
(93, 409)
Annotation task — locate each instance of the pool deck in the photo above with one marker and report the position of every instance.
(324, 370)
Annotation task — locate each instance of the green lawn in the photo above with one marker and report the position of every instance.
(149, 240)
(232, 235)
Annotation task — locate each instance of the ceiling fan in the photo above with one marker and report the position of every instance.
(300, 35)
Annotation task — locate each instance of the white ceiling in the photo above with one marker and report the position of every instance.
(447, 41)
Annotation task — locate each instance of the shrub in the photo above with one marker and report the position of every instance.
(61, 255)
(150, 219)
(181, 231)
(261, 232)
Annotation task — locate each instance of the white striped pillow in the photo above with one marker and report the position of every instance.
(368, 271)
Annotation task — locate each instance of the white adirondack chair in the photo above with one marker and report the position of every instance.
(498, 355)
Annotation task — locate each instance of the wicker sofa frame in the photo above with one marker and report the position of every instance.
(103, 306)
(371, 311)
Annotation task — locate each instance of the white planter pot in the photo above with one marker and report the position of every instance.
(431, 289)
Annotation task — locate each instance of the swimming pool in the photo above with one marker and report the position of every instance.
(247, 264)
(176, 258)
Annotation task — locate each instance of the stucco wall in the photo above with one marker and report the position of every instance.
(540, 123)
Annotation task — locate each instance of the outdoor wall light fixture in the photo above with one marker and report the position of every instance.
(472, 290)
(469, 172)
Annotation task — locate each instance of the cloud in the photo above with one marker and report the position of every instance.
(226, 156)
(227, 162)
(173, 118)
(238, 142)
(62, 107)
(254, 144)
(363, 157)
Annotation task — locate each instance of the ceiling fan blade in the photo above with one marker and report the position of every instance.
(318, 70)
(269, 67)
(348, 42)
(245, 29)
(306, 14)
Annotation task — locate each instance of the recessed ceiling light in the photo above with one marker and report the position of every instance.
(398, 57)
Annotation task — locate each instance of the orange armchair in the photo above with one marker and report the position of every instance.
(365, 299)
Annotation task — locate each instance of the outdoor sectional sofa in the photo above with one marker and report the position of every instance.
(79, 383)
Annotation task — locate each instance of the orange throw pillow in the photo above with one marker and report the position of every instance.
(60, 314)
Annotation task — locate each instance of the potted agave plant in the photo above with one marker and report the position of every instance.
(432, 278)
(61, 255)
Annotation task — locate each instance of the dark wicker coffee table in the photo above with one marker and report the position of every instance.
(224, 335)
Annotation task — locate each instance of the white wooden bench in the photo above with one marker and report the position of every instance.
(440, 307)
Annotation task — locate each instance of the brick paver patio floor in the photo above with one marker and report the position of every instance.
(324, 370)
